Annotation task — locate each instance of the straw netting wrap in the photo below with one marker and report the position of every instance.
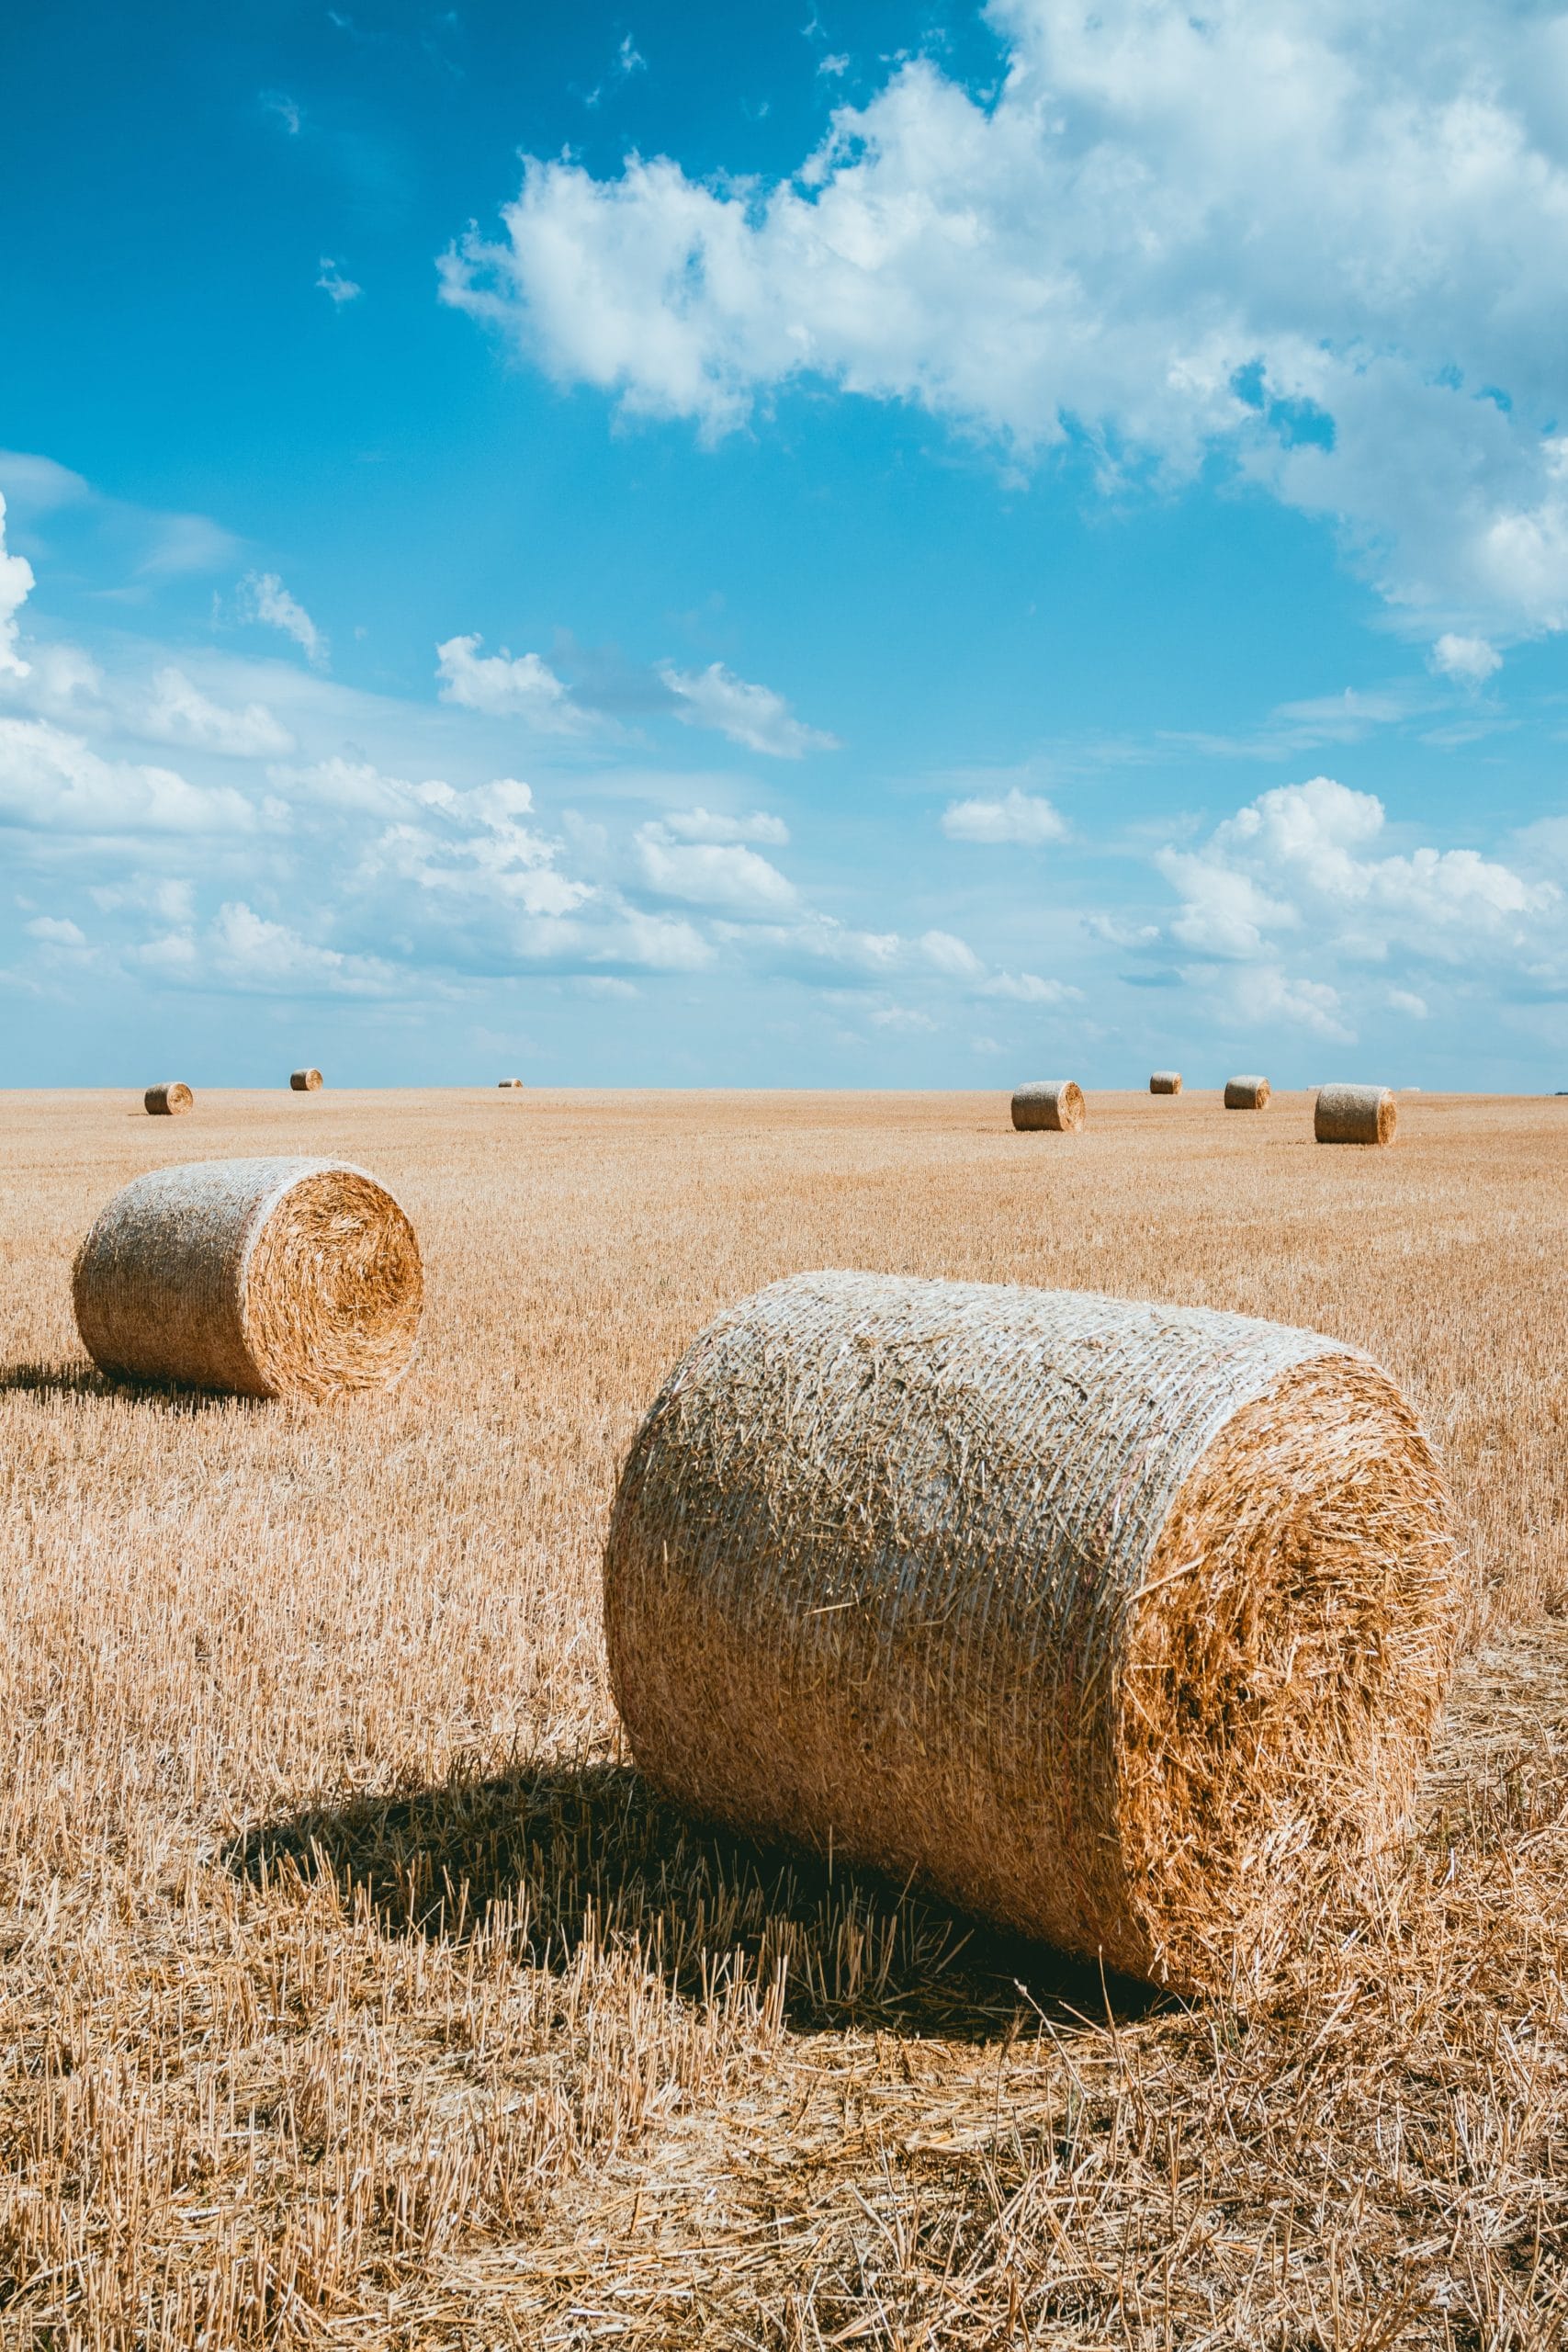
(261, 1277)
(1054, 1102)
(1125, 1625)
(1247, 1093)
(1165, 1081)
(1354, 1115)
(167, 1102)
(304, 1081)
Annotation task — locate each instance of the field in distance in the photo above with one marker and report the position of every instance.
(354, 1989)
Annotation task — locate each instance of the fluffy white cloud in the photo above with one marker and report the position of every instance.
(949, 954)
(51, 781)
(56, 930)
(1326, 240)
(504, 687)
(178, 712)
(244, 953)
(703, 825)
(1470, 661)
(263, 597)
(754, 716)
(338, 288)
(1028, 988)
(1024, 819)
(15, 587)
(1302, 857)
(710, 873)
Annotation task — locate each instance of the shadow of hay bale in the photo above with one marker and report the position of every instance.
(557, 1853)
(86, 1380)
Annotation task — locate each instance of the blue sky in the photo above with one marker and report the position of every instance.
(900, 545)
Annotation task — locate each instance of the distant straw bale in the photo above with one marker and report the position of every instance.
(1354, 1115)
(1165, 1081)
(261, 1277)
(167, 1102)
(1054, 1102)
(305, 1081)
(509, 1082)
(1124, 1625)
(1247, 1093)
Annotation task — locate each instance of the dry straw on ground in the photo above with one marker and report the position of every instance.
(1053, 1102)
(256, 1277)
(1354, 1115)
(1115, 1624)
(169, 1101)
(356, 1991)
(1165, 1081)
(305, 1081)
(1247, 1093)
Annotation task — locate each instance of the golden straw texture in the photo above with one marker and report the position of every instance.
(261, 1277)
(305, 1081)
(1120, 1624)
(1354, 1114)
(1053, 1102)
(1165, 1081)
(1247, 1093)
(167, 1102)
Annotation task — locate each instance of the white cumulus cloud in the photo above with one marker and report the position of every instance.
(1326, 241)
(711, 874)
(748, 714)
(704, 825)
(1024, 819)
(15, 587)
(504, 685)
(263, 597)
(1469, 660)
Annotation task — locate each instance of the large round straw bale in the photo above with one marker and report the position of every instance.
(305, 1081)
(1247, 1093)
(509, 1082)
(167, 1102)
(1125, 1625)
(1054, 1102)
(262, 1277)
(1354, 1115)
(1165, 1081)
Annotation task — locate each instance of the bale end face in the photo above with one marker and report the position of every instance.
(253, 1277)
(305, 1081)
(168, 1101)
(1247, 1093)
(1056, 1104)
(1165, 1081)
(1363, 1115)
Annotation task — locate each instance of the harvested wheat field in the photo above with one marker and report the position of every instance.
(357, 1991)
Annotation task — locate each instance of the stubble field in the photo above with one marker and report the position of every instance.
(354, 1992)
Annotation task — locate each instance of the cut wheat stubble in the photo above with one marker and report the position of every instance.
(1121, 1624)
(1056, 1104)
(1365, 1114)
(254, 1277)
(170, 1100)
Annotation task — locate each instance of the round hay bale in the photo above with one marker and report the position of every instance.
(1054, 1102)
(1125, 1625)
(1247, 1093)
(509, 1082)
(170, 1099)
(1354, 1115)
(1165, 1081)
(261, 1277)
(304, 1081)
